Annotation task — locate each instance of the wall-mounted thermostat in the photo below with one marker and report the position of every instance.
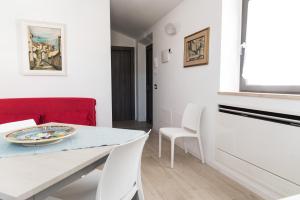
(165, 56)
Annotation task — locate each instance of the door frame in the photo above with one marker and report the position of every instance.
(150, 46)
(132, 76)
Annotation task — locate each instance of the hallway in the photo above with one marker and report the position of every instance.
(189, 180)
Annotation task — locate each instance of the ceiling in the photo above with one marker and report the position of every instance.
(134, 17)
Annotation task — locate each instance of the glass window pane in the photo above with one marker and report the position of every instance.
(273, 38)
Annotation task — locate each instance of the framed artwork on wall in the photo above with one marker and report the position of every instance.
(42, 48)
(196, 48)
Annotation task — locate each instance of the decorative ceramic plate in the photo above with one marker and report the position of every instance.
(40, 135)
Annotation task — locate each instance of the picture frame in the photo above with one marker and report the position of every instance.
(42, 48)
(196, 48)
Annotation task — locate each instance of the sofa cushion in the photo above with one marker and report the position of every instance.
(7, 118)
(70, 117)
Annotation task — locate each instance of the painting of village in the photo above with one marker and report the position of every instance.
(44, 46)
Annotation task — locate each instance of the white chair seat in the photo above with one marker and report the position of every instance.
(177, 132)
(82, 189)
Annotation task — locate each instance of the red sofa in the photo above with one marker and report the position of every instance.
(43, 110)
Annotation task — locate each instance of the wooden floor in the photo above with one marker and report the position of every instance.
(188, 180)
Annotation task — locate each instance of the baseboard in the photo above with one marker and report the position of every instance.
(252, 186)
(245, 182)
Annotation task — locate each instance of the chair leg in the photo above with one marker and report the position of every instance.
(172, 152)
(185, 145)
(201, 150)
(140, 193)
(159, 145)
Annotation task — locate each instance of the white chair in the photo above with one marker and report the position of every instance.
(16, 125)
(119, 180)
(190, 128)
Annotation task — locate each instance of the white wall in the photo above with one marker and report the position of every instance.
(119, 39)
(87, 51)
(142, 45)
(230, 45)
(141, 75)
(178, 86)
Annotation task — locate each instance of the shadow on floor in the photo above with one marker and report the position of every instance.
(144, 126)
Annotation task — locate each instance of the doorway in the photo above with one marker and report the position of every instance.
(149, 83)
(122, 76)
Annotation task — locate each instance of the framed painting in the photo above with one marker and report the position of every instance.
(42, 48)
(196, 48)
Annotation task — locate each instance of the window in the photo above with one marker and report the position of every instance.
(270, 55)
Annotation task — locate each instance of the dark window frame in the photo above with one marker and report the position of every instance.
(293, 89)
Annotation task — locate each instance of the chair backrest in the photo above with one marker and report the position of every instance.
(120, 174)
(16, 125)
(191, 117)
(70, 110)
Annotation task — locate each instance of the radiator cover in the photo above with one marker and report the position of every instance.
(269, 142)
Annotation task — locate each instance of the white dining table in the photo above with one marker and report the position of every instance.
(36, 177)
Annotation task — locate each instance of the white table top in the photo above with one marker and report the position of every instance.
(22, 177)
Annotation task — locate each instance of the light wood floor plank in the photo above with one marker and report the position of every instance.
(189, 180)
